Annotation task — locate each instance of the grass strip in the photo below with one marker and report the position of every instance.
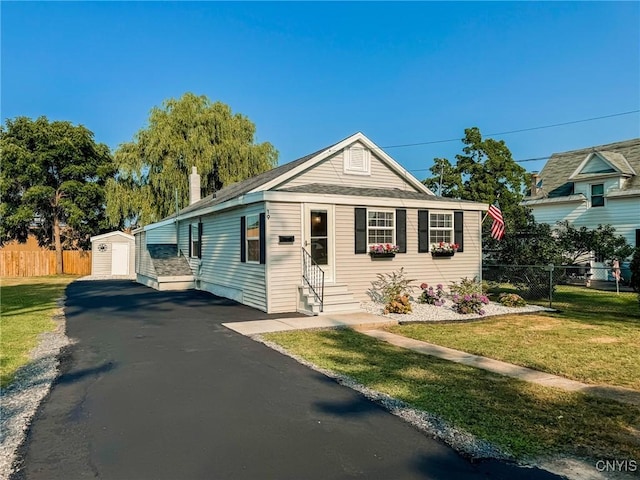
(524, 419)
(594, 339)
(28, 305)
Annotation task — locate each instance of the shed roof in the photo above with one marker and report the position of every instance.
(112, 234)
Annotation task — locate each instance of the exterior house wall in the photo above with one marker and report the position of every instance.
(144, 262)
(331, 171)
(358, 271)
(162, 235)
(221, 271)
(623, 213)
(284, 260)
(101, 260)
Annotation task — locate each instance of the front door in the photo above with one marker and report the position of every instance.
(319, 238)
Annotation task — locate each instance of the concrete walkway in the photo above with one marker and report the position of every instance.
(346, 320)
(369, 324)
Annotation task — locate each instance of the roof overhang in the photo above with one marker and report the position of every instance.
(111, 234)
(624, 193)
(577, 198)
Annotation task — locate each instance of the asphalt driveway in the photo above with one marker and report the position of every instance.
(154, 387)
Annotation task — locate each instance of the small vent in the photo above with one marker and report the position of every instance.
(357, 160)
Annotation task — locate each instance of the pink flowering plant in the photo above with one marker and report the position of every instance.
(470, 303)
(444, 247)
(383, 248)
(432, 296)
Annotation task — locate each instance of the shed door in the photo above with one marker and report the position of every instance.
(119, 259)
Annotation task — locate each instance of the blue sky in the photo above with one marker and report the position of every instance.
(310, 74)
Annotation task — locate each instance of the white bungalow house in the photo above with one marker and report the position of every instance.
(298, 237)
(589, 187)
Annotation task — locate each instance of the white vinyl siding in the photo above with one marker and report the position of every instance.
(162, 235)
(284, 260)
(145, 264)
(359, 270)
(622, 213)
(220, 270)
(331, 171)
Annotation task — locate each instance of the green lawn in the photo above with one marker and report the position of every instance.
(28, 304)
(524, 419)
(595, 338)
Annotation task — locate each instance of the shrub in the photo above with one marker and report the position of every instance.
(389, 286)
(511, 300)
(467, 304)
(432, 296)
(466, 286)
(399, 304)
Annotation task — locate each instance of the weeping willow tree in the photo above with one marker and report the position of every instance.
(185, 132)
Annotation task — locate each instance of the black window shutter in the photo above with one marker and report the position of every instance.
(199, 239)
(423, 231)
(401, 230)
(638, 237)
(243, 239)
(263, 239)
(360, 230)
(458, 230)
(190, 243)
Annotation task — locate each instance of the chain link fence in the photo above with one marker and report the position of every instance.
(549, 284)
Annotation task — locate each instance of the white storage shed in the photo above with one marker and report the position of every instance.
(113, 254)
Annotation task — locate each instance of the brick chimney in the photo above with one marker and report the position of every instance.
(194, 186)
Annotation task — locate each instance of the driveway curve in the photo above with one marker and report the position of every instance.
(154, 387)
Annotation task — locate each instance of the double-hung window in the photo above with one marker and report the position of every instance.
(253, 238)
(597, 195)
(380, 226)
(440, 227)
(195, 240)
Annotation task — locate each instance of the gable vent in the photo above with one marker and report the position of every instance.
(357, 160)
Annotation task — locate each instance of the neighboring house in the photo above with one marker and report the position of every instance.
(589, 187)
(310, 223)
(113, 254)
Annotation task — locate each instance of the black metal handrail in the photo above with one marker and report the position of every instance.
(313, 276)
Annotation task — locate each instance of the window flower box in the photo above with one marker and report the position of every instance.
(382, 255)
(443, 254)
(383, 250)
(444, 249)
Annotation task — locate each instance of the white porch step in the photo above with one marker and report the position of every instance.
(337, 299)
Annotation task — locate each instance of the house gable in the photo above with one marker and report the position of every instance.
(355, 161)
(564, 173)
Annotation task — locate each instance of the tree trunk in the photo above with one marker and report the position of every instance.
(58, 245)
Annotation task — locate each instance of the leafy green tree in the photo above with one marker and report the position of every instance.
(185, 132)
(484, 172)
(52, 183)
(577, 242)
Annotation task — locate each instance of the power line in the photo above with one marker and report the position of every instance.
(518, 131)
(535, 159)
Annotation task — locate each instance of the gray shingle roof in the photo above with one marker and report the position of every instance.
(625, 156)
(166, 261)
(330, 189)
(240, 188)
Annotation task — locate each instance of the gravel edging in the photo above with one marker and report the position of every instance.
(20, 400)
(423, 312)
(426, 422)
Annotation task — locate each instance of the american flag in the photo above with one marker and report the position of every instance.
(497, 227)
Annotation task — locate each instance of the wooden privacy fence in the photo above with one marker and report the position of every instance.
(43, 262)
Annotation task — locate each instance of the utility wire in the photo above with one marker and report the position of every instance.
(517, 131)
